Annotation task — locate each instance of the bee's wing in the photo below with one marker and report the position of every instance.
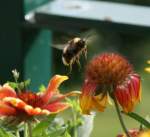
(90, 36)
(59, 46)
(60, 42)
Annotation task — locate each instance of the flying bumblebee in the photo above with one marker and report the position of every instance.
(75, 47)
(72, 51)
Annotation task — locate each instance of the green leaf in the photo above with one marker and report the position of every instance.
(4, 133)
(56, 132)
(10, 124)
(42, 88)
(75, 104)
(66, 134)
(13, 84)
(24, 84)
(138, 118)
(21, 85)
(42, 126)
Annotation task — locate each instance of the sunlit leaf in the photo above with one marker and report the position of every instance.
(56, 132)
(10, 123)
(66, 134)
(21, 85)
(24, 84)
(13, 84)
(42, 126)
(4, 133)
(42, 88)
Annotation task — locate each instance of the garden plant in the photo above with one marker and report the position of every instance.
(109, 79)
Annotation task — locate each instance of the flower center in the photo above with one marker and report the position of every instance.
(30, 98)
(108, 69)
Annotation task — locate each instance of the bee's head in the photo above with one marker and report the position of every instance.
(79, 41)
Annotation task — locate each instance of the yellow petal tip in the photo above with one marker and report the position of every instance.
(148, 61)
(64, 77)
(147, 69)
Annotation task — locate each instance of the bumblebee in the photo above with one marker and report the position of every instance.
(73, 50)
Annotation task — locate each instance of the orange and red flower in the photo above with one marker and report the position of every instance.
(28, 104)
(109, 74)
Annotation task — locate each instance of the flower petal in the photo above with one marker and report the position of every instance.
(147, 69)
(18, 103)
(136, 88)
(7, 91)
(52, 87)
(145, 133)
(129, 94)
(100, 102)
(148, 62)
(86, 98)
(6, 110)
(58, 97)
(56, 107)
(86, 104)
(122, 94)
(55, 82)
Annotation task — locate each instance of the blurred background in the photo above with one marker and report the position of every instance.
(32, 50)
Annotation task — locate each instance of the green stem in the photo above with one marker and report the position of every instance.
(18, 89)
(29, 129)
(120, 117)
(17, 133)
(75, 134)
(25, 130)
(138, 118)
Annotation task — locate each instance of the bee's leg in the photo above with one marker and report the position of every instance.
(70, 68)
(85, 53)
(78, 62)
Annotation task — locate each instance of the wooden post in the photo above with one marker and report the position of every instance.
(37, 51)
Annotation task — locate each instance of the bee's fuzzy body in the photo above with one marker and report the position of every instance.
(72, 52)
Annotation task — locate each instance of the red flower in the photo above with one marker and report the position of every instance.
(106, 74)
(26, 104)
(129, 94)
